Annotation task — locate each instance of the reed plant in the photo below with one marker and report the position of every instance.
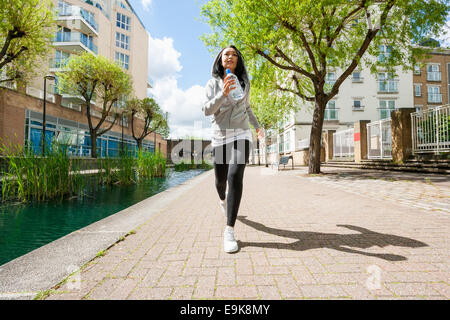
(149, 164)
(28, 176)
(186, 166)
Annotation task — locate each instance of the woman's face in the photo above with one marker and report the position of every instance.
(229, 59)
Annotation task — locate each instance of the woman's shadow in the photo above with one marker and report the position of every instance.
(341, 242)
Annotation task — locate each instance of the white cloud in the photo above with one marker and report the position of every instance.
(184, 106)
(146, 4)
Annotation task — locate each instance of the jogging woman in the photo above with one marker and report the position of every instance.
(232, 137)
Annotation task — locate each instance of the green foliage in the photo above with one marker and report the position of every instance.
(189, 166)
(290, 46)
(31, 177)
(95, 78)
(150, 112)
(150, 164)
(26, 31)
(427, 128)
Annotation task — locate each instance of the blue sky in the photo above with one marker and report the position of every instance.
(179, 20)
(179, 63)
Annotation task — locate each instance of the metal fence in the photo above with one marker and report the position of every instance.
(431, 130)
(379, 139)
(343, 143)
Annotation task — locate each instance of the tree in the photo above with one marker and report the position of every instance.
(302, 40)
(149, 111)
(26, 31)
(95, 78)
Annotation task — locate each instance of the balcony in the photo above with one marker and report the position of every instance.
(357, 108)
(74, 42)
(434, 97)
(388, 86)
(433, 76)
(57, 65)
(68, 99)
(330, 114)
(74, 17)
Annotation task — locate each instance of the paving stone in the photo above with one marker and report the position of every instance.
(294, 244)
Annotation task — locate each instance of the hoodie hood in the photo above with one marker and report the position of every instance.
(245, 82)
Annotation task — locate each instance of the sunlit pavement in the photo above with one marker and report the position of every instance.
(344, 234)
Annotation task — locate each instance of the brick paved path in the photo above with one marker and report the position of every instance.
(300, 238)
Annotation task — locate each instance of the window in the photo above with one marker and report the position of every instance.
(386, 83)
(386, 107)
(434, 94)
(385, 53)
(61, 59)
(417, 90)
(123, 21)
(330, 80)
(433, 73)
(356, 77)
(416, 69)
(287, 139)
(330, 111)
(357, 104)
(448, 80)
(122, 59)
(122, 41)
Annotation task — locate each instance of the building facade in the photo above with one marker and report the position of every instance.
(105, 27)
(362, 96)
(369, 97)
(431, 81)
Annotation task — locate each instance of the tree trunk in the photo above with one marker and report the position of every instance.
(316, 136)
(139, 144)
(93, 144)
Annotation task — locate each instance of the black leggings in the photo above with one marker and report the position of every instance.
(229, 164)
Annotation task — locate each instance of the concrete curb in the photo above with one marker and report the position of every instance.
(41, 269)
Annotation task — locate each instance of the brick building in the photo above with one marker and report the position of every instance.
(109, 28)
(431, 80)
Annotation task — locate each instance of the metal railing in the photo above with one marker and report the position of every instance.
(388, 86)
(76, 37)
(38, 93)
(331, 114)
(58, 63)
(78, 12)
(433, 76)
(435, 97)
(431, 130)
(343, 143)
(379, 139)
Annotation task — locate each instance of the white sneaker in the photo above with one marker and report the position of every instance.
(223, 204)
(229, 242)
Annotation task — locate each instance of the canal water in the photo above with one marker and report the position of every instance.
(25, 227)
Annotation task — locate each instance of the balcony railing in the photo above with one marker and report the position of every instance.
(331, 114)
(76, 37)
(357, 79)
(435, 97)
(75, 11)
(388, 86)
(58, 63)
(433, 76)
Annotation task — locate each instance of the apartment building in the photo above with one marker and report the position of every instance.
(431, 80)
(109, 28)
(362, 96)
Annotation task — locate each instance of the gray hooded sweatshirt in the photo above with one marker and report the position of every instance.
(227, 113)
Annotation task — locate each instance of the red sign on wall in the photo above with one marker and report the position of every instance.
(356, 136)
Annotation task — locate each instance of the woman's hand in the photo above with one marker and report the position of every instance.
(260, 133)
(228, 84)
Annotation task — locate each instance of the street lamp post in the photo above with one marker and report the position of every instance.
(49, 77)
